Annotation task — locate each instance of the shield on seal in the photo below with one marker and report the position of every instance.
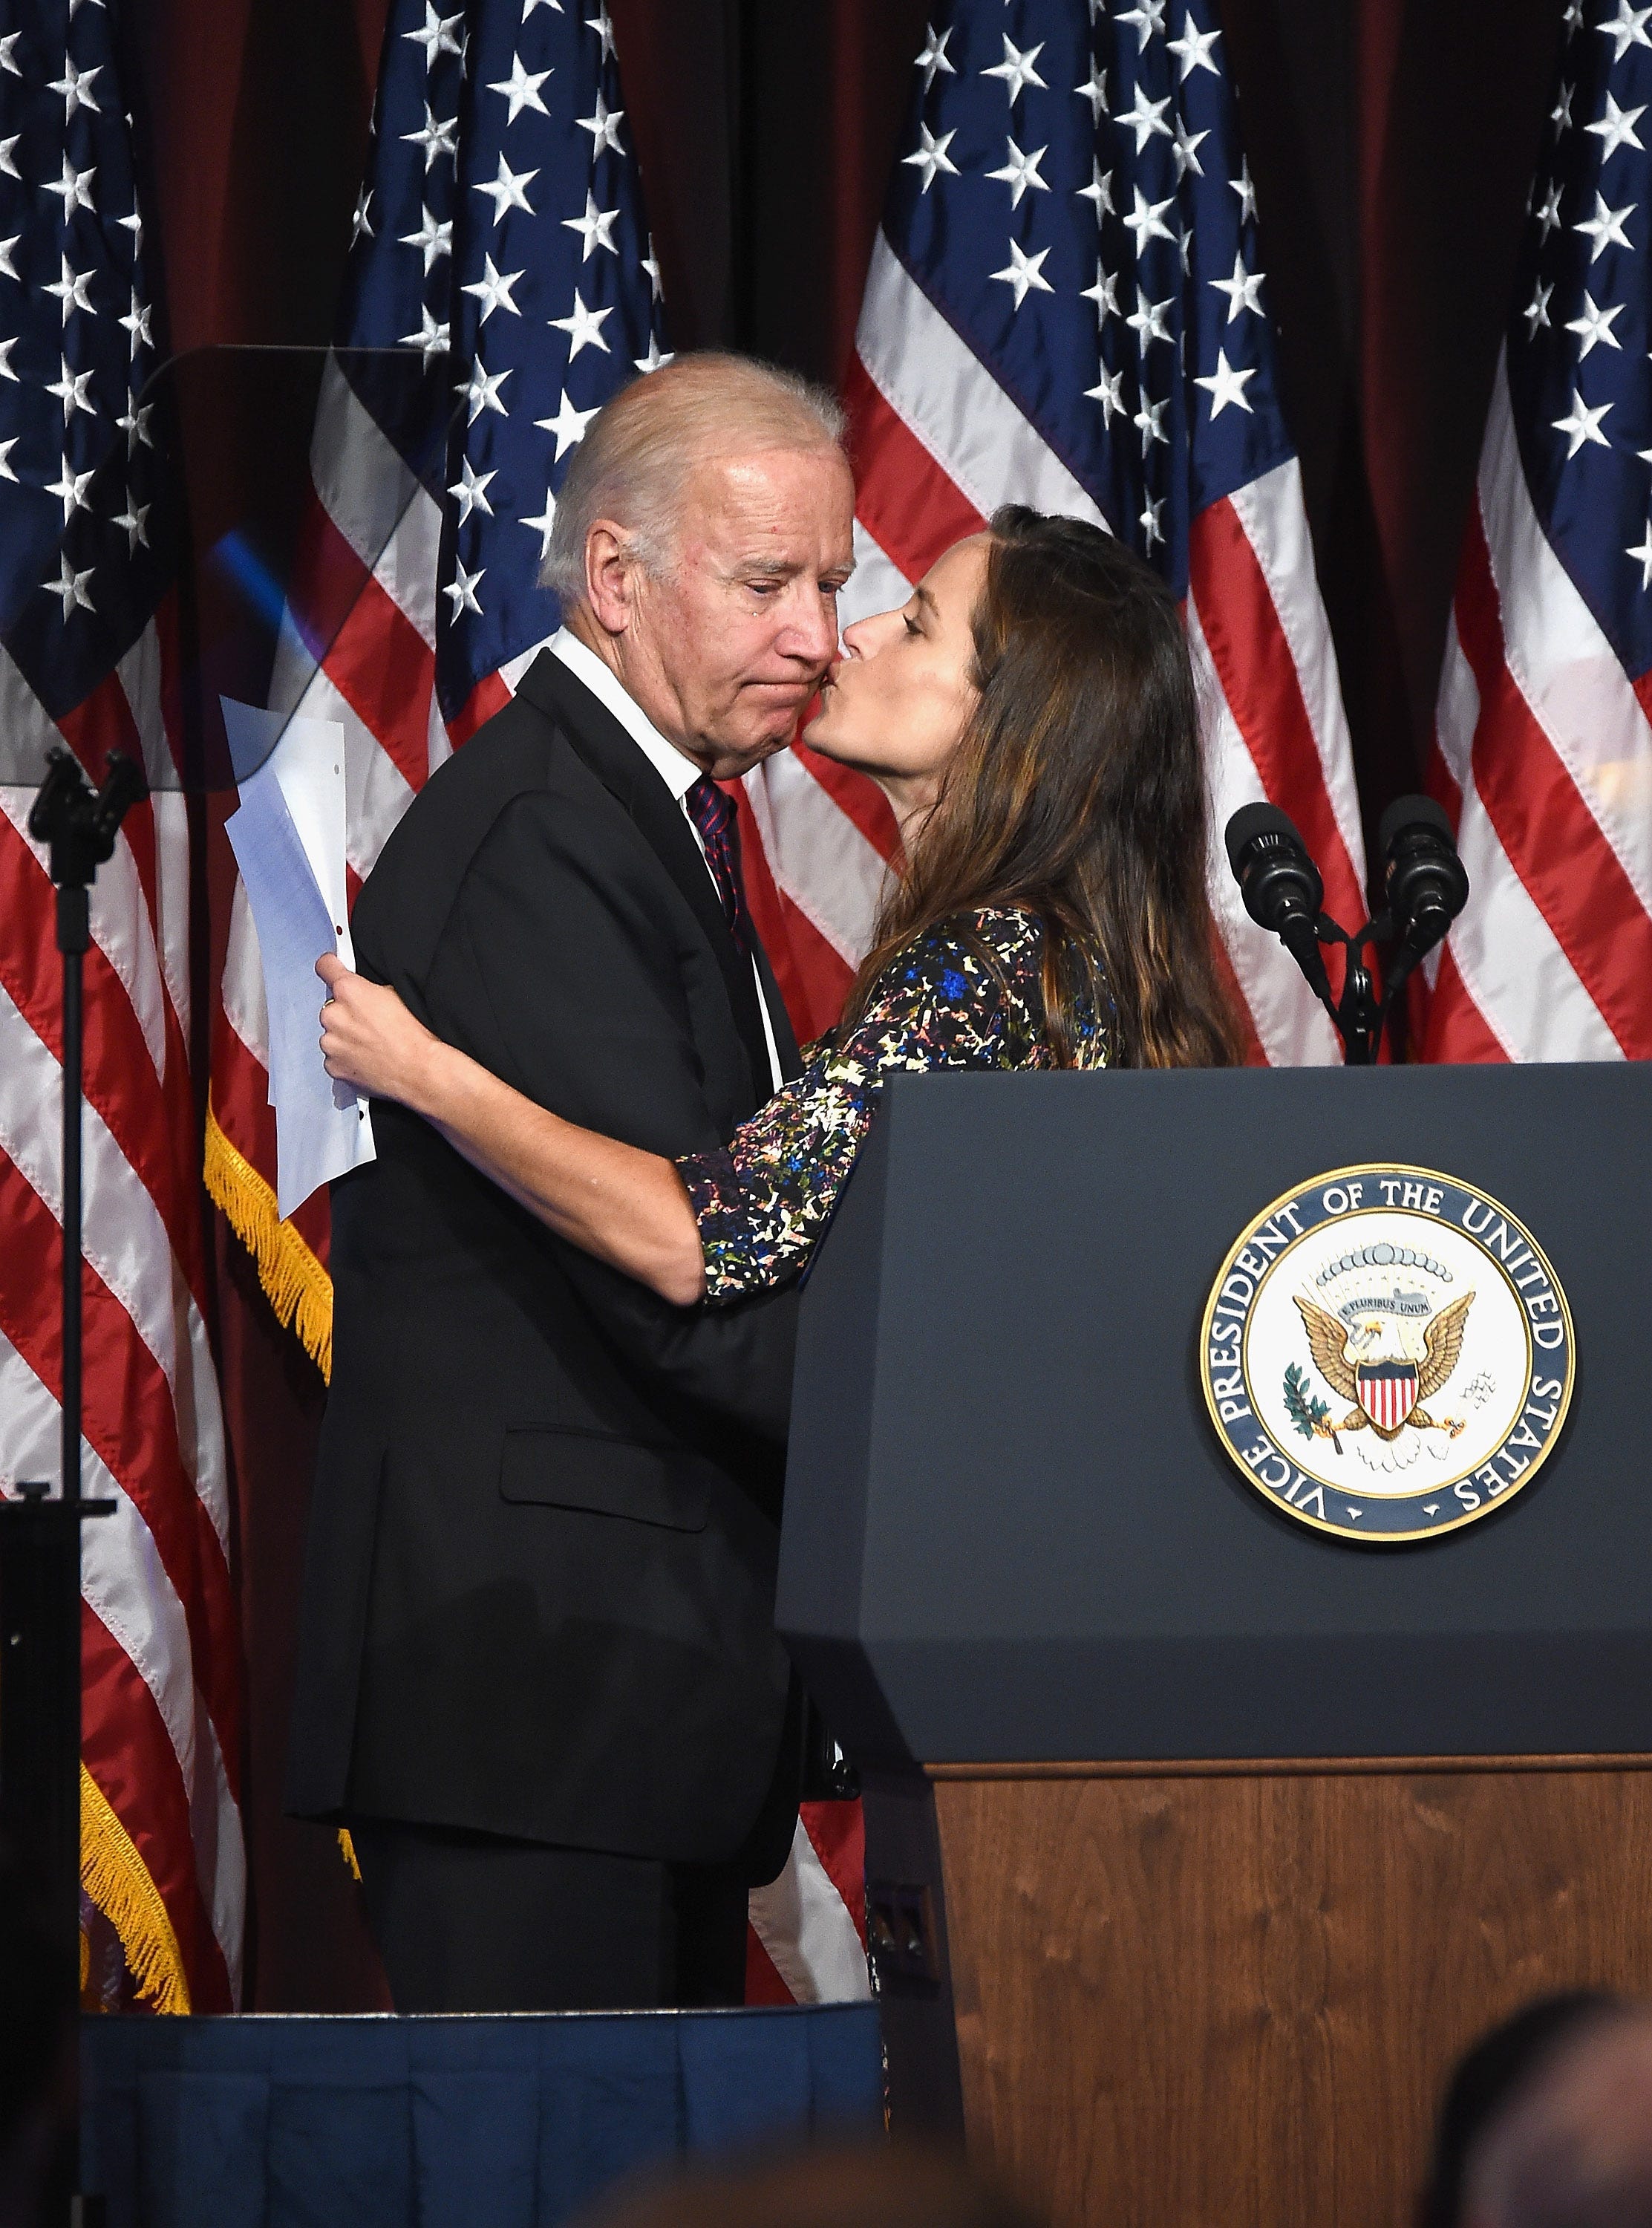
(1387, 1391)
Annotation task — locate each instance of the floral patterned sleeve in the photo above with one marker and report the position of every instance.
(763, 1201)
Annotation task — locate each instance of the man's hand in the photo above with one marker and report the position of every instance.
(370, 1040)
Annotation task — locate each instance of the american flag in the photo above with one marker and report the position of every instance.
(87, 567)
(499, 234)
(1543, 752)
(1066, 308)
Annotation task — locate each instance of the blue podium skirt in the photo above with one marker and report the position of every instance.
(510, 2121)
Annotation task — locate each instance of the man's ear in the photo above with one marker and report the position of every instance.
(611, 576)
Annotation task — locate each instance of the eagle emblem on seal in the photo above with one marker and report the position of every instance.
(1386, 1347)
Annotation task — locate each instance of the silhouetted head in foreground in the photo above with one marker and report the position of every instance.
(1568, 2144)
(863, 2185)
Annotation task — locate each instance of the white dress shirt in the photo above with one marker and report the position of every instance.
(678, 772)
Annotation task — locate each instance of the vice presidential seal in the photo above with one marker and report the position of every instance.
(1387, 1353)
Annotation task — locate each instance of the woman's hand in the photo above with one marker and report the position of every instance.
(370, 1040)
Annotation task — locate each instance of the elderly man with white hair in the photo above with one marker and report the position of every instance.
(539, 1678)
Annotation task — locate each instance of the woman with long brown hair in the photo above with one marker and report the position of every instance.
(1030, 714)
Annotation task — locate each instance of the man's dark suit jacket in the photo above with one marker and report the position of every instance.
(538, 1595)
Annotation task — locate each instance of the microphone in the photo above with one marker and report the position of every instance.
(1281, 885)
(1426, 883)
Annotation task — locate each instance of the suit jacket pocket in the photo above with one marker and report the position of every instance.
(601, 1477)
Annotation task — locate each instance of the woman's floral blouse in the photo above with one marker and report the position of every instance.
(967, 994)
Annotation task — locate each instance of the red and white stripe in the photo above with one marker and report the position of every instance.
(938, 445)
(1543, 757)
(160, 1654)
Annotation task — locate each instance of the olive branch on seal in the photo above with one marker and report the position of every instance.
(1305, 1411)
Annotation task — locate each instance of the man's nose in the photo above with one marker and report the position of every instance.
(812, 627)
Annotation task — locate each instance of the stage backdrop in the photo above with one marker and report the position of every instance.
(1392, 142)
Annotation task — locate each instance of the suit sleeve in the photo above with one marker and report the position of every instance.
(562, 968)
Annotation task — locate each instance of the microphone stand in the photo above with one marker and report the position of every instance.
(1358, 1014)
(39, 1532)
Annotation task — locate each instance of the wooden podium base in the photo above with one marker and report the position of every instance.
(1231, 1993)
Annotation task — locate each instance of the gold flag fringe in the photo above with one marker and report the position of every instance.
(118, 1881)
(346, 1850)
(300, 1289)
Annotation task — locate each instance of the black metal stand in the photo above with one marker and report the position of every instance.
(39, 1533)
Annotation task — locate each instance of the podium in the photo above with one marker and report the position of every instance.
(1201, 1839)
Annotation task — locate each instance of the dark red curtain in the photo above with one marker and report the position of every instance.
(1391, 141)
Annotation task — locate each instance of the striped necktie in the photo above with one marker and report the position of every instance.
(714, 817)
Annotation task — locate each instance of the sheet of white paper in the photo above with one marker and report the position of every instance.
(288, 838)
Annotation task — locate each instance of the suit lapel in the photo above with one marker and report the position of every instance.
(613, 756)
(791, 1064)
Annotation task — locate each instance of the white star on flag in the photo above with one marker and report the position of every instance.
(603, 24)
(493, 290)
(596, 228)
(71, 291)
(544, 522)
(1615, 129)
(439, 36)
(931, 156)
(70, 489)
(481, 391)
(462, 589)
(1581, 424)
(1146, 221)
(6, 448)
(1225, 385)
(1023, 273)
(1548, 216)
(71, 586)
(1104, 294)
(1144, 118)
(1644, 553)
(72, 86)
(1626, 29)
(603, 127)
(1020, 171)
(569, 424)
(933, 56)
(134, 520)
(1100, 190)
(1017, 70)
(432, 240)
(1149, 422)
(1109, 392)
(435, 138)
(1150, 518)
(1536, 312)
(1606, 227)
(1243, 290)
(431, 340)
(470, 491)
(1193, 48)
(1147, 319)
(71, 392)
(74, 186)
(1185, 147)
(583, 327)
(1595, 325)
(1094, 90)
(655, 357)
(508, 190)
(1148, 18)
(522, 89)
(7, 64)
(6, 371)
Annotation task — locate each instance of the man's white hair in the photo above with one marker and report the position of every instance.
(641, 446)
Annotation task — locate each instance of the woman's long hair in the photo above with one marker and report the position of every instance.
(1077, 791)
